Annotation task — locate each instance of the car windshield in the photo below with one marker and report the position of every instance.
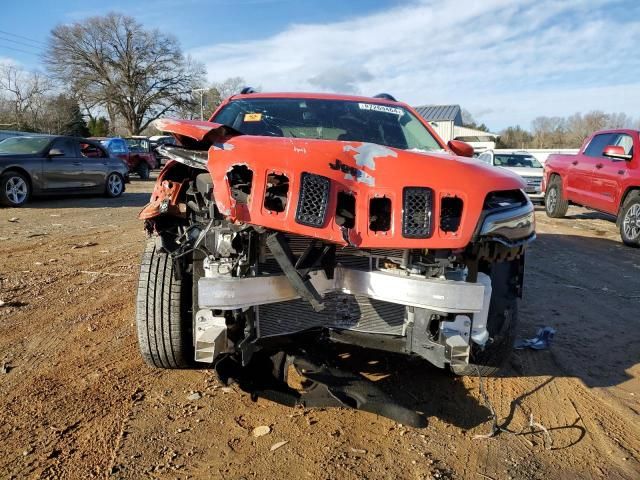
(389, 125)
(515, 160)
(23, 145)
(138, 145)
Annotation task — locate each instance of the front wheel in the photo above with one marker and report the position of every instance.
(630, 221)
(554, 203)
(144, 171)
(15, 189)
(114, 185)
(501, 323)
(163, 311)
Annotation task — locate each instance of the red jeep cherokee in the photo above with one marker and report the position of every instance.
(292, 221)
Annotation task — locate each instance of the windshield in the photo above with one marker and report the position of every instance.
(23, 145)
(114, 145)
(138, 145)
(388, 125)
(515, 160)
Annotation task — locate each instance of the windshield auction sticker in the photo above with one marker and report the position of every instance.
(381, 108)
(252, 117)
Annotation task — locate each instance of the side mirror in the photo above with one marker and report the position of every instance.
(616, 151)
(461, 149)
(55, 152)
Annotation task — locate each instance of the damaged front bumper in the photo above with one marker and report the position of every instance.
(434, 318)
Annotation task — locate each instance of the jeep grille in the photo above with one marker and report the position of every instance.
(313, 201)
(417, 205)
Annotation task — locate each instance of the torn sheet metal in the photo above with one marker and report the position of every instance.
(188, 131)
(165, 200)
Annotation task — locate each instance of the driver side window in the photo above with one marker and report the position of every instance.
(66, 146)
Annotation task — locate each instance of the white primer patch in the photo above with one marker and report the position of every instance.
(367, 153)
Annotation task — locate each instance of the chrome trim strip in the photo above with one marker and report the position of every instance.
(513, 224)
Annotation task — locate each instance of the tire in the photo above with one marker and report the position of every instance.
(555, 204)
(114, 185)
(630, 220)
(15, 189)
(143, 170)
(501, 324)
(163, 312)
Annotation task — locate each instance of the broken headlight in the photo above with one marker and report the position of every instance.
(512, 224)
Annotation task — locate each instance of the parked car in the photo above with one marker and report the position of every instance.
(521, 163)
(604, 175)
(291, 221)
(55, 165)
(135, 152)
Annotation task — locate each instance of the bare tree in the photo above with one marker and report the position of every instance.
(211, 97)
(133, 73)
(25, 95)
(228, 87)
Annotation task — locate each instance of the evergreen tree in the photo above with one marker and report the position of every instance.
(99, 127)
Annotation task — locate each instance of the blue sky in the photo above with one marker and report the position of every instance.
(505, 61)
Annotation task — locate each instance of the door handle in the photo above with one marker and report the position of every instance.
(575, 162)
(599, 165)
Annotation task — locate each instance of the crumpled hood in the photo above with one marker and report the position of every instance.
(378, 165)
(362, 169)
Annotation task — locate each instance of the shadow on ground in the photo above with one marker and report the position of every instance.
(588, 289)
(415, 384)
(128, 199)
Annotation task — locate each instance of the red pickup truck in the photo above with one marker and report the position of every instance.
(604, 175)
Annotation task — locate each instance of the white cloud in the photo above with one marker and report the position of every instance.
(505, 63)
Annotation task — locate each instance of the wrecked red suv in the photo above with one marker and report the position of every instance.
(289, 222)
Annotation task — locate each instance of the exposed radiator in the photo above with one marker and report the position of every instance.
(348, 312)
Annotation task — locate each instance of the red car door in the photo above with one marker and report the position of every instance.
(608, 175)
(581, 170)
(579, 178)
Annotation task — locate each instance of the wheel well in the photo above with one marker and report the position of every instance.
(21, 171)
(628, 192)
(553, 175)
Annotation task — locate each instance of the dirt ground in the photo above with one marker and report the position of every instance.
(76, 401)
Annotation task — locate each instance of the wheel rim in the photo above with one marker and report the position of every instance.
(16, 190)
(552, 199)
(114, 184)
(631, 222)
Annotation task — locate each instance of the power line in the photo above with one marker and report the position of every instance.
(11, 47)
(23, 37)
(16, 41)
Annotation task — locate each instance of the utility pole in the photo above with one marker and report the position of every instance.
(201, 92)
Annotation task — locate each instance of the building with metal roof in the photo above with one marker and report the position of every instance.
(446, 120)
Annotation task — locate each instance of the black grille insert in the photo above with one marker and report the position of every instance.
(313, 201)
(416, 212)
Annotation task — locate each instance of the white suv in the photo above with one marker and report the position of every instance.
(521, 163)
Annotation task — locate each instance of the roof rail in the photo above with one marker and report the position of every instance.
(248, 90)
(386, 96)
